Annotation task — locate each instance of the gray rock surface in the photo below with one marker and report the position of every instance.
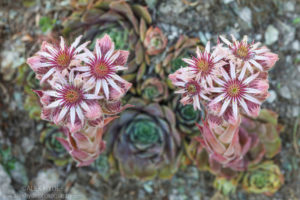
(77, 193)
(272, 96)
(246, 15)
(46, 180)
(271, 35)
(285, 92)
(7, 192)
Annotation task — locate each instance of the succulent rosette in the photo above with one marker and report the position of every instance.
(258, 138)
(264, 132)
(155, 41)
(226, 186)
(144, 141)
(265, 178)
(153, 90)
(186, 117)
(85, 146)
(224, 143)
(54, 150)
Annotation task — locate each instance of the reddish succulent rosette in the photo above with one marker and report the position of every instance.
(155, 41)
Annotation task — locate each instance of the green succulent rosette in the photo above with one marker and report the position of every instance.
(226, 186)
(153, 90)
(125, 22)
(53, 148)
(103, 166)
(119, 37)
(264, 129)
(265, 178)
(26, 78)
(144, 141)
(187, 117)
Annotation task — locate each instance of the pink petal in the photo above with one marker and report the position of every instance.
(65, 143)
(85, 163)
(82, 141)
(75, 127)
(34, 62)
(105, 44)
(79, 155)
(94, 111)
(122, 58)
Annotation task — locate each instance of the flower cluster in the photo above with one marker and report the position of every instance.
(77, 87)
(230, 81)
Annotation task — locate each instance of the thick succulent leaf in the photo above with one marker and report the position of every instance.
(272, 148)
(111, 16)
(92, 16)
(129, 77)
(124, 8)
(139, 53)
(187, 44)
(141, 72)
(103, 4)
(268, 116)
(142, 12)
(143, 29)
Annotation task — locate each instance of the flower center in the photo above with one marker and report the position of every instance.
(234, 90)
(203, 65)
(242, 51)
(101, 70)
(63, 60)
(72, 96)
(192, 88)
